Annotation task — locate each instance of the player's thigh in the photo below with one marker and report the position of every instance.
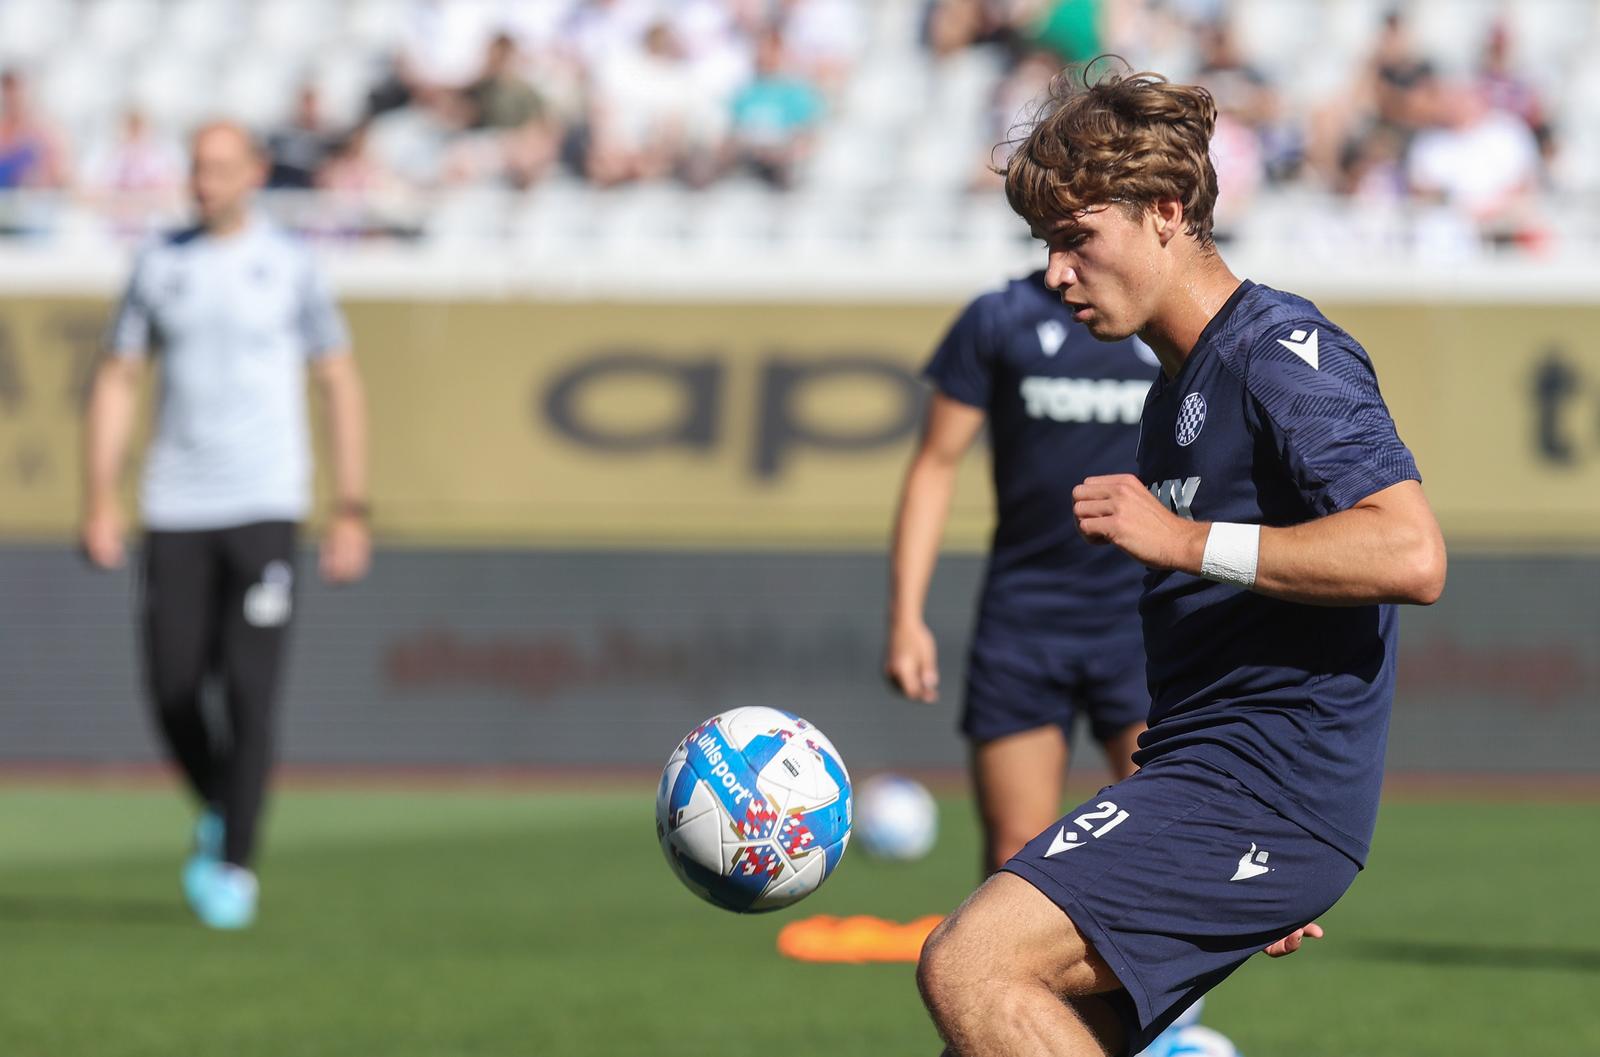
(177, 611)
(1018, 781)
(1009, 931)
(258, 600)
(1176, 876)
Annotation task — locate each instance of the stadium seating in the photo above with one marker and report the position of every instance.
(895, 161)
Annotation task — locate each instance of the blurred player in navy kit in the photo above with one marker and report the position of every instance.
(236, 315)
(1281, 519)
(1058, 623)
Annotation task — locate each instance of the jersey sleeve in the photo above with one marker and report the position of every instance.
(321, 323)
(962, 366)
(132, 324)
(1316, 394)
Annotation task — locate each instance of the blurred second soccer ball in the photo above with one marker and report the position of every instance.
(895, 818)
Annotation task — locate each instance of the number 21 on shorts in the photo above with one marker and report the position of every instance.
(1104, 810)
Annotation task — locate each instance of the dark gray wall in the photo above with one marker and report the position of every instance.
(459, 657)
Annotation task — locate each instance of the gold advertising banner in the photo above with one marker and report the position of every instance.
(789, 425)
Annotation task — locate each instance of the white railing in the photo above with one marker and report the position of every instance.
(568, 240)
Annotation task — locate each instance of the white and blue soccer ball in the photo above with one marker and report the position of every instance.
(1187, 1037)
(754, 809)
(896, 818)
(1191, 1040)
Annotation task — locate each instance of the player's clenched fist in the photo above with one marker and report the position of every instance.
(1119, 509)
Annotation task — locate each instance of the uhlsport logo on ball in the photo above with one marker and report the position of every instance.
(753, 810)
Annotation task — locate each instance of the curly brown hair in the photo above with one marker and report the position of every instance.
(1125, 138)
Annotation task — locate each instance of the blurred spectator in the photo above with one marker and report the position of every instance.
(1506, 89)
(1247, 99)
(775, 116)
(1477, 159)
(352, 169)
(717, 43)
(1373, 167)
(443, 41)
(1068, 29)
(953, 25)
(1241, 170)
(364, 196)
(598, 29)
(500, 96)
(512, 118)
(135, 161)
(418, 142)
(30, 150)
(647, 120)
(1018, 94)
(501, 92)
(1381, 100)
(823, 38)
(298, 149)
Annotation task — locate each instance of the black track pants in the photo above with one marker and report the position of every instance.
(217, 605)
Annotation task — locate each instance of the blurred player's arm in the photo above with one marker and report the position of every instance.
(347, 544)
(107, 428)
(1384, 548)
(911, 661)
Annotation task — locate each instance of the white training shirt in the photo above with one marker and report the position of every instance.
(233, 321)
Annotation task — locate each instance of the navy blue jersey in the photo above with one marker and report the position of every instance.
(1061, 406)
(1274, 419)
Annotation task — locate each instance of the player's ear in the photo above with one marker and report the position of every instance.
(1168, 213)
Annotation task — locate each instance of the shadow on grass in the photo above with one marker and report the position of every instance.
(1478, 955)
(81, 910)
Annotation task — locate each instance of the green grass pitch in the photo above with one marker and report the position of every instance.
(471, 923)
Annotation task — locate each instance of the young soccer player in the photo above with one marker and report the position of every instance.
(1058, 623)
(237, 314)
(1281, 519)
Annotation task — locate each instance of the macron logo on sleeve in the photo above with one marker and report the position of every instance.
(1302, 346)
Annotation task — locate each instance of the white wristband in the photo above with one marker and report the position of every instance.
(1232, 551)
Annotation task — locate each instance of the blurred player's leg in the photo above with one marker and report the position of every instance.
(1119, 750)
(1019, 781)
(179, 622)
(259, 603)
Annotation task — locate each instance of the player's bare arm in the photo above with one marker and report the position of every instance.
(347, 545)
(108, 426)
(1385, 548)
(911, 660)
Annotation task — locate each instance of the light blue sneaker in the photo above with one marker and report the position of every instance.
(225, 896)
(208, 836)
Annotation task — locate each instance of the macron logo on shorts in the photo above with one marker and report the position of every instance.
(1251, 864)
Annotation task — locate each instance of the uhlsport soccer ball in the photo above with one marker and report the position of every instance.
(896, 817)
(753, 811)
(1192, 1040)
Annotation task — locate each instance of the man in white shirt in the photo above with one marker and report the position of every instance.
(235, 312)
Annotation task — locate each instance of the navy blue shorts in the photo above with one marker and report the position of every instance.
(1016, 684)
(1177, 875)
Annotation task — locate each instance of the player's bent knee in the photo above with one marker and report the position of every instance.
(937, 974)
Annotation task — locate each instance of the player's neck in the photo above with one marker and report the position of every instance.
(1192, 302)
(229, 224)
